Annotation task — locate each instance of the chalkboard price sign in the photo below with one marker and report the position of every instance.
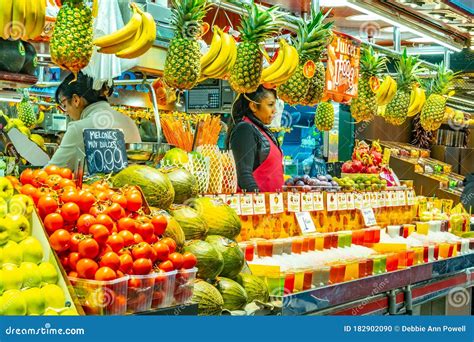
(105, 150)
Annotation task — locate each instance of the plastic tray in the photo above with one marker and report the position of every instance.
(140, 292)
(184, 286)
(163, 289)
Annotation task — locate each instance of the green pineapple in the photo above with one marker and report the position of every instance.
(25, 110)
(324, 118)
(254, 28)
(432, 114)
(364, 107)
(183, 61)
(310, 42)
(71, 42)
(408, 68)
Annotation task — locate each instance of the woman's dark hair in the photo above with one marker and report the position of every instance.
(241, 107)
(82, 87)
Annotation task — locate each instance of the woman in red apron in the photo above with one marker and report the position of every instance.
(257, 153)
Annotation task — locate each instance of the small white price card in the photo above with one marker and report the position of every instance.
(222, 197)
(307, 201)
(331, 200)
(402, 200)
(380, 200)
(350, 201)
(393, 199)
(305, 222)
(233, 201)
(366, 201)
(387, 198)
(373, 200)
(369, 217)
(294, 202)
(410, 197)
(341, 201)
(359, 200)
(246, 204)
(318, 201)
(259, 207)
(276, 204)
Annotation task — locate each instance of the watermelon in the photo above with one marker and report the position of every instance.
(209, 261)
(254, 286)
(234, 295)
(184, 184)
(220, 218)
(194, 227)
(231, 252)
(12, 55)
(208, 299)
(31, 60)
(175, 157)
(156, 186)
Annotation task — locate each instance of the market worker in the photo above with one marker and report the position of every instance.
(87, 108)
(257, 154)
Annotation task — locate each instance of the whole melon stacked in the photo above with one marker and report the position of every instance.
(324, 118)
(433, 112)
(364, 107)
(183, 61)
(255, 27)
(71, 42)
(408, 68)
(311, 40)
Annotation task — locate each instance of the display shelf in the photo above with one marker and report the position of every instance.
(14, 81)
(178, 310)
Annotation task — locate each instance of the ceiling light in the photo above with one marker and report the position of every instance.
(364, 17)
(420, 40)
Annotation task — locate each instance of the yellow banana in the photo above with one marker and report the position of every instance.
(269, 72)
(219, 64)
(413, 102)
(17, 28)
(233, 54)
(113, 49)
(145, 42)
(40, 19)
(291, 60)
(422, 96)
(6, 18)
(124, 33)
(214, 49)
(391, 91)
(30, 19)
(382, 91)
(40, 118)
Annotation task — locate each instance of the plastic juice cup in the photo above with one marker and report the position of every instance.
(358, 237)
(376, 235)
(425, 253)
(268, 248)
(431, 253)
(436, 252)
(369, 235)
(452, 250)
(320, 243)
(297, 246)
(352, 270)
(444, 250)
(393, 231)
(261, 249)
(341, 240)
(410, 258)
(337, 273)
(362, 268)
(289, 284)
(422, 228)
(459, 246)
(249, 252)
(308, 279)
(324, 278)
(370, 267)
(299, 280)
(317, 277)
(392, 262)
(383, 264)
(312, 243)
(334, 240)
(275, 283)
(327, 241)
(287, 246)
(402, 259)
(277, 247)
(305, 245)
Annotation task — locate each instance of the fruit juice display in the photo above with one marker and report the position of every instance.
(320, 242)
(358, 237)
(352, 270)
(297, 246)
(444, 250)
(337, 273)
(422, 228)
(392, 262)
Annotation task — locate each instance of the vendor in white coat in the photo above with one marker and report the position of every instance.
(87, 108)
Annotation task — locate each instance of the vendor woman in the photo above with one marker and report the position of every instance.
(86, 108)
(257, 153)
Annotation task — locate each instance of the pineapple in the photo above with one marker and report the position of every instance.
(311, 40)
(364, 107)
(25, 110)
(183, 61)
(432, 114)
(255, 28)
(71, 43)
(421, 138)
(324, 118)
(408, 67)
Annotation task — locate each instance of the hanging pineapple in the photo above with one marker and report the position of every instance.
(408, 68)
(324, 118)
(183, 61)
(71, 42)
(25, 110)
(364, 107)
(311, 40)
(432, 114)
(254, 28)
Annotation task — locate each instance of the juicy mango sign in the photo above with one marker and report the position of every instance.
(342, 72)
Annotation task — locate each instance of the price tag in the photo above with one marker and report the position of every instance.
(393, 199)
(411, 197)
(350, 201)
(387, 198)
(369, 217)
(373, 200)
(318, 201)
(307, 201)
(331, 201)
(233, 201)
(359, 200)
(402, 200)
(222, 197)
(259, 207)
(366, 201)
(246, 204)
(305, 222)
(341, 201)
(276, 204)
(105, 150)
(380, 200)
(294, 202)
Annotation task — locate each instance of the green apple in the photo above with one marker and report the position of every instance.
(13, 277)
(35, 303)
(50, 312)
(6, 189)
(48, 272)
(12, 253)
(12, 303)
(69, 312)
(3, 207)
(4, 234)
(21, 205)
(53, 296)
(2, 282)
(31, 274)
(19, 228)
(32, 250)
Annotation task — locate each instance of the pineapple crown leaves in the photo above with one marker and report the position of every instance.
(25, 95)
(442, 83)
(313, 36)
(408, 68)
(259, 24)
(371, 63)
(187, 17)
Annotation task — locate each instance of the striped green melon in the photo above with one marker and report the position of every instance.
(231, 252)
(234, 295)
(254, 286)
(208, 299)
(192, 224)
(184, 184)
(210, 262)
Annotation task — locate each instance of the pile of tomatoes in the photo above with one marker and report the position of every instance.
(98, 232)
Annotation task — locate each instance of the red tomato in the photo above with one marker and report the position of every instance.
(84, 222)
(86, 201)
(120, 199)
(104, 249)
(145, 229)
(105, 220)
(142, 266)
(115, 211)
(110, 259)
(105, 274)
(53, 181)
(134, 201)
(66, 183)
(73, 274)
(86, 268)
(159, 224)
(152, 239)
(127, 237)
(99, 232)
(126, 263)
(28, 190)
(162, 251)
(97, 209)
(171, 244)
(127, 223)
(115, 242)
(39, 178)
(189, 260)
(120, 274)
(88, 248)
(47, 204)
(66, 173)
(53, 222)
(69, 196)
(153, 255)
(52, 170)
(166, 266)
(75, 239)
(64, 259)
(142, 250)
(70, 212)
(177, 260)
(138, 238)
(26, 176)
(60, 240)
(74, 257)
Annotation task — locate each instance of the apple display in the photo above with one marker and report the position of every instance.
(21, 205)
(6, 189)
(13, 277)
(19, 228)
(53, 296)
(32, 250)
(12, 253)
(48, 272)
(12, 303)
(31, 274)
(35, 303)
